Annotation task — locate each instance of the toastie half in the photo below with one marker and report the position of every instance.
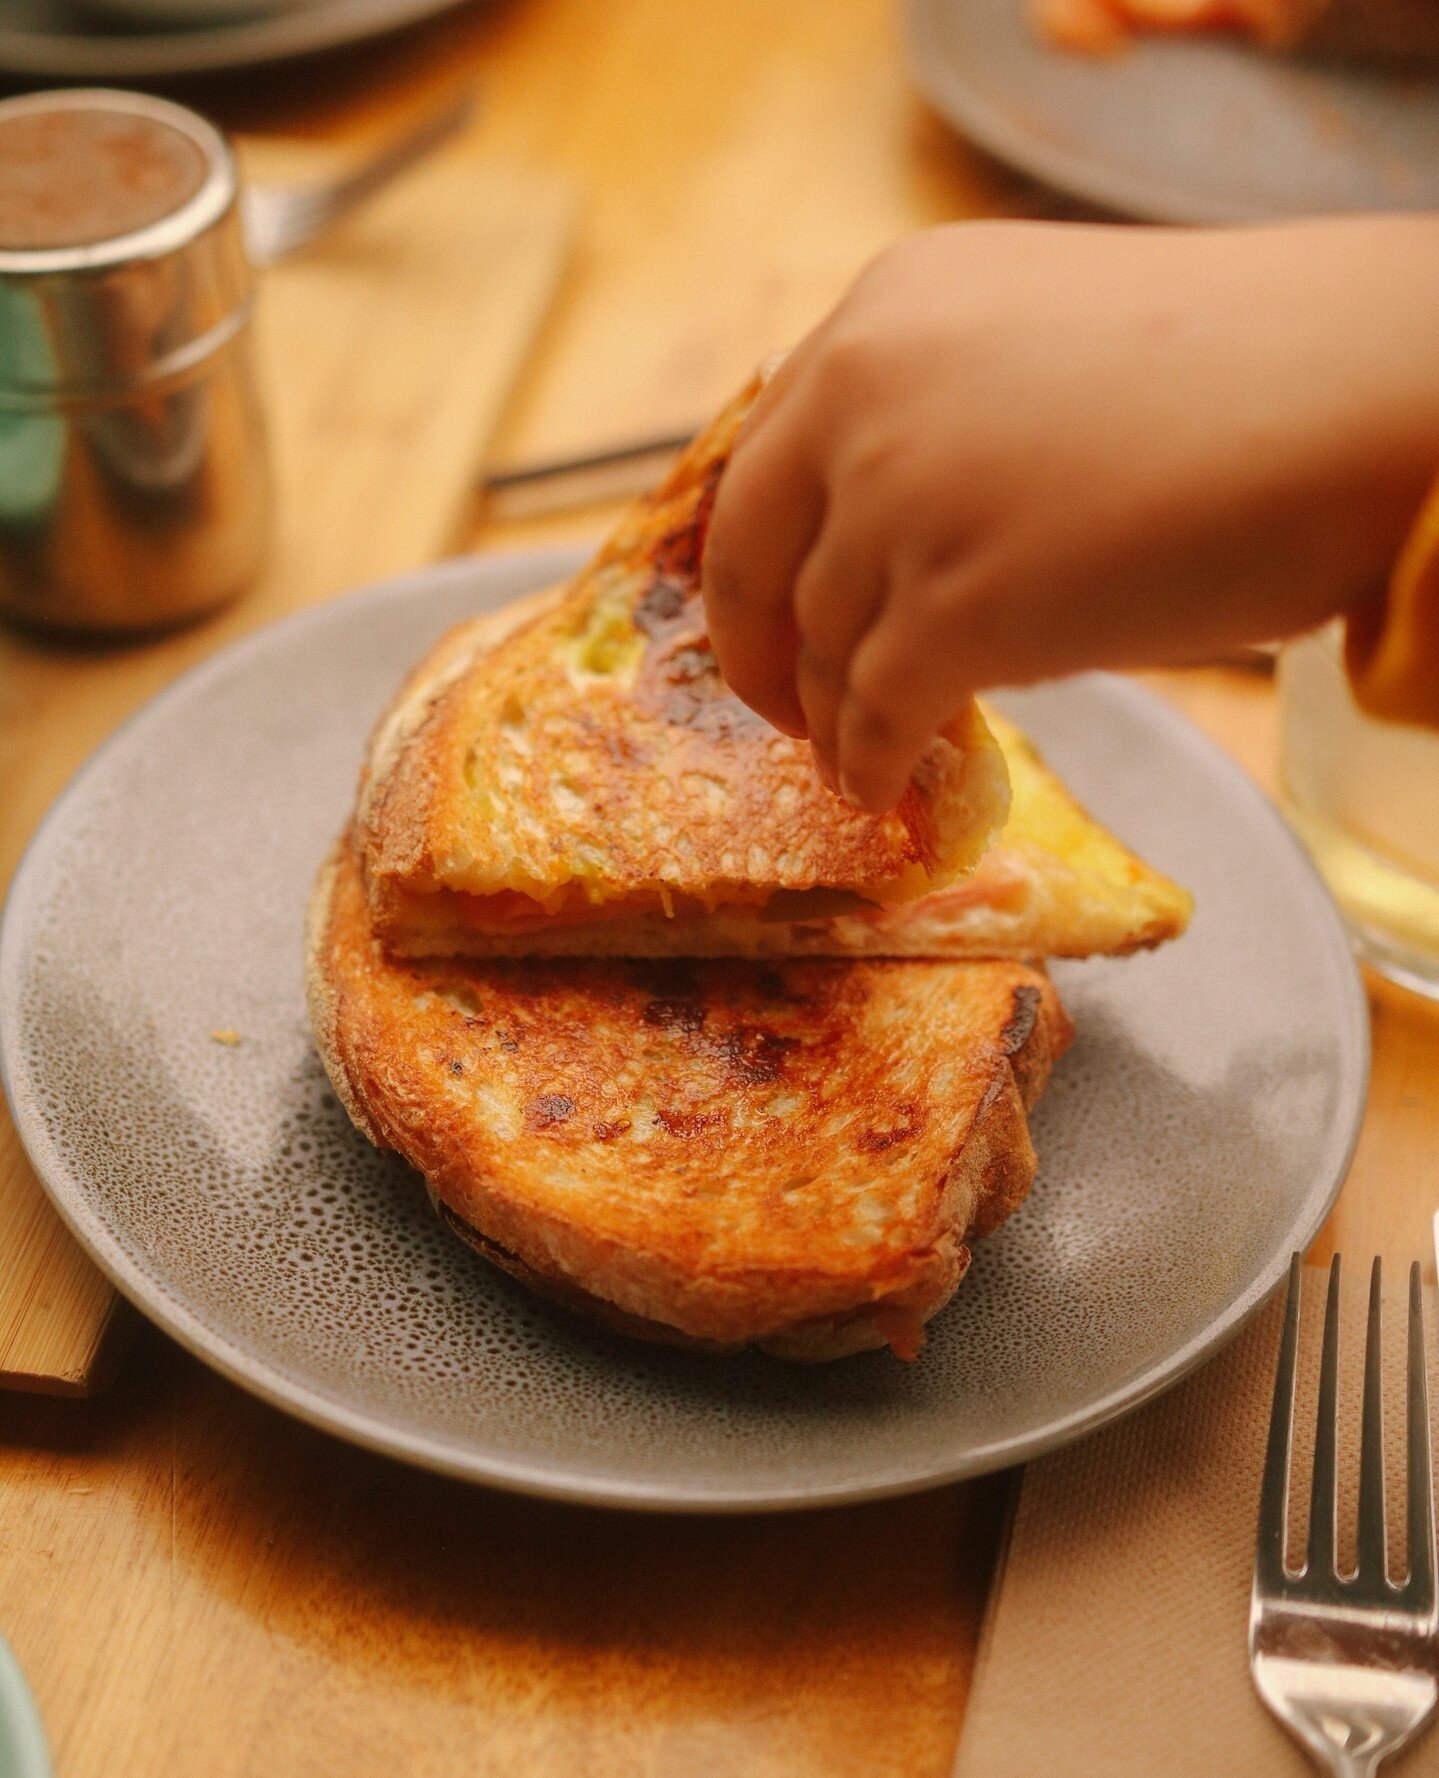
(1052, 883)
(792, 1155)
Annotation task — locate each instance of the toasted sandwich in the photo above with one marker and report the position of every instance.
(1052, 883)
(793, 1155)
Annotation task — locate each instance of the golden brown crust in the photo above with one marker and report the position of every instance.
(455, 652)
(1053, 883)
(592, 761)
(794, 1155)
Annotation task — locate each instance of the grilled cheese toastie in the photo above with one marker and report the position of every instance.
(793, 1155)
(675, 1036)
(1052, 883)
(590, 764)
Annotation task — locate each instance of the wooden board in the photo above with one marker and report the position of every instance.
(387, 353)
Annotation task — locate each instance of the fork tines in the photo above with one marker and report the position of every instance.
(1320, 1572)
(1347, 1662)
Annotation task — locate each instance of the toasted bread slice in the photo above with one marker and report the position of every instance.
(1053, 882)
(592, 762)
(716, 1153)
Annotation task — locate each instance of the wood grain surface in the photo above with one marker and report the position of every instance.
(199, 1586)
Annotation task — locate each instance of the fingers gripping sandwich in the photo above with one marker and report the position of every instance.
(582, 760)
(675, 1036)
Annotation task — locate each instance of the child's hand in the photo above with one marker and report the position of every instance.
(1017, 450)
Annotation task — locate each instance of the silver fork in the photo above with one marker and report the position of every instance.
(1346, 1662)
(280, 219)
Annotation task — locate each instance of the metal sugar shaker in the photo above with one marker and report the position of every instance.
(134, 477)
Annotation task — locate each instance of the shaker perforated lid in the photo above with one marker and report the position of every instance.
(78, 175)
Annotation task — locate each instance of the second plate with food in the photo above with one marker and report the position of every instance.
(162, 1076)
(1179, 130)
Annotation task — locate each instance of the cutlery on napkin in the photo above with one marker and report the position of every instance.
(1116, 1639)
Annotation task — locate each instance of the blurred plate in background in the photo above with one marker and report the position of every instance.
(1203, 130)
(56, 40)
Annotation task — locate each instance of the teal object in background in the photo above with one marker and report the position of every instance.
(23, 1752)
(32, 442)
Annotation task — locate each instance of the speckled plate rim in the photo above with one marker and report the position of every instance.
(207, 49)
(291, 1393)
(1148, 199)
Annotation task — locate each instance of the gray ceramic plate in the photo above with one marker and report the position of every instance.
(1197, 131)
(58, 40)
(1193, 1138)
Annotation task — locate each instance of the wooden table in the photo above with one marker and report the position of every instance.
(197, 1585)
